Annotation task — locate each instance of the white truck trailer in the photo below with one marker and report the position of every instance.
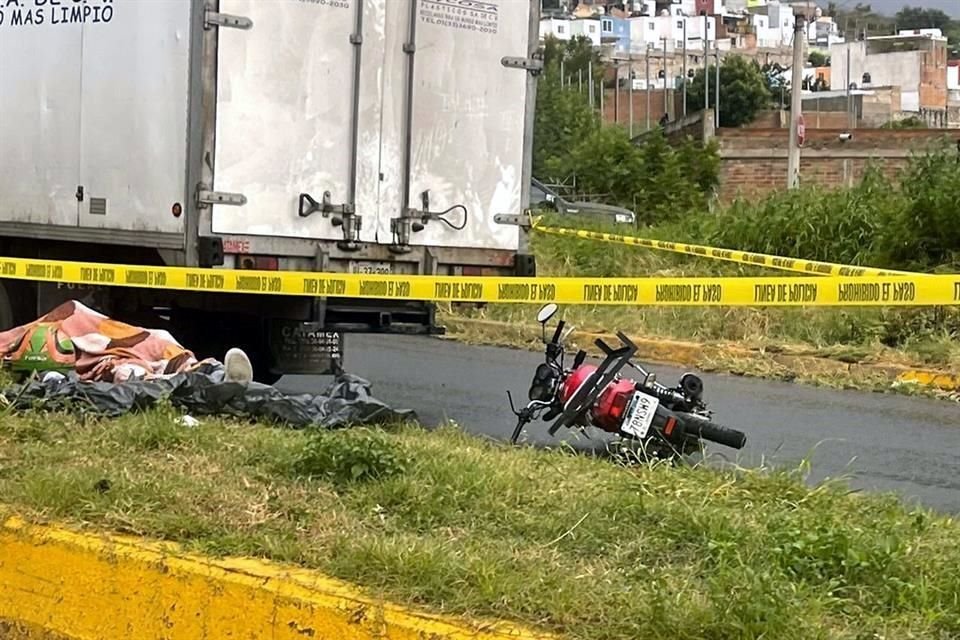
(325, 135)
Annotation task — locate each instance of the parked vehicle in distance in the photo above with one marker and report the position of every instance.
(545, 197)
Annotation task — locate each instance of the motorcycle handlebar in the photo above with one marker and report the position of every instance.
(714, 432)
(557, 333)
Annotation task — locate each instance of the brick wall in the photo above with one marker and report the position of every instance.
(754, 161)
(756, 177)
(659, 101)
(933, 77)
(813, 119)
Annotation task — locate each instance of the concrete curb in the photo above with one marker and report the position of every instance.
(694, 354)
(55, 582)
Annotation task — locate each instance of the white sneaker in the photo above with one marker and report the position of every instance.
(237, 367)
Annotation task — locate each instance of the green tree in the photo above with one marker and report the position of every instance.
(563, 119)
(920, 18)
(818, 59)
(605, 162)
(743, 90)
(777, 85)
(576, 55)
(659, 181)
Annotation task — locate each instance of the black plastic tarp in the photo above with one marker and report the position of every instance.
(345, 402)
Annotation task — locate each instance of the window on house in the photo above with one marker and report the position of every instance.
(607, 26)
(559, 28)
(593, 28)
(650, 26)
(679, 24)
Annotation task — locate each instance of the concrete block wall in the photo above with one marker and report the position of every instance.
(754, 161)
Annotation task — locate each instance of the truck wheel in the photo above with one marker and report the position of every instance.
(18, 303)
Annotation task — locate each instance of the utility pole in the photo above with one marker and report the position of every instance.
(716, 88)
(849, 90)
(666, 108)
(616, 96)
(706, 62)
(602, 96)
(684, 66)
(630, 92)
(648, 86)
(796, 103)
(590, 80)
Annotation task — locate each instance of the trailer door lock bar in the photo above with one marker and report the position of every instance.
(415, 220)
(345, 217)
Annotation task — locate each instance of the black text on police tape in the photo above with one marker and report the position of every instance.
(785, 293)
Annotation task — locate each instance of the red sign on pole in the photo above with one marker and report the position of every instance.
(801, 130)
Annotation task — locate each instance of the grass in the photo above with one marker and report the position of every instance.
(910, 337)
(566, 543)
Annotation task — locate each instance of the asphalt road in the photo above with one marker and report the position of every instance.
(881, 442)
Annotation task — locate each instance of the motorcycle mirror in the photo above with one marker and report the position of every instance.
(546, 312)
(651, 378)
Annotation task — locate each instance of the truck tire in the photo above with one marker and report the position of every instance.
(18, 303)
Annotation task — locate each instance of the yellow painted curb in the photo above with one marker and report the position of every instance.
(942, 381)
(104, 587)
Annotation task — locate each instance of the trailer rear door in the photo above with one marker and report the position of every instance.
(291, 93)
(285, 116)
(469, 117)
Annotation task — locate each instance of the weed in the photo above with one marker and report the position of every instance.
(351, 456)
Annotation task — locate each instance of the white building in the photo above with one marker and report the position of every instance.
(589, 27)
(917, 63)
(781, 23)
(767, 31)
(559, 28)
(823, 31)
(668, 29)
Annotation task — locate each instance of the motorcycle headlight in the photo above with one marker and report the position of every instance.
(544, 380)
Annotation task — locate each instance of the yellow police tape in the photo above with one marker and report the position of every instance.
(812, 267)
(922, 290)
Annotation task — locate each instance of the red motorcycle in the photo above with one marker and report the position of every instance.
(651, 419)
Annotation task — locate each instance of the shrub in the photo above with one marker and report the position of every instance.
(352, 455)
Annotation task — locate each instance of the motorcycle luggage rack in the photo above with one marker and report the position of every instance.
(589, 391)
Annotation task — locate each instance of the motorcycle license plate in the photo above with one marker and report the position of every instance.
(640, 415)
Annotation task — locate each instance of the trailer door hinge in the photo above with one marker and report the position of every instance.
(207, 198)
(524, 221)
(213, 19)
(533, 65)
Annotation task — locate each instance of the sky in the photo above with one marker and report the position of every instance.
(890, 7)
